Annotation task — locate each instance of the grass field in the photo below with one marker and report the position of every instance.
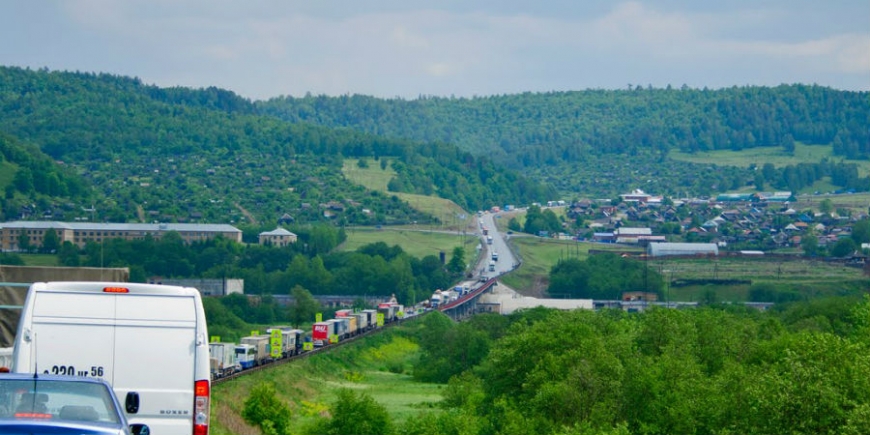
(374, 178)
(810, 277)
(39, 259)
(539, 255)
(857, 202)
(415, 242)
(309, 386)
(759, 156)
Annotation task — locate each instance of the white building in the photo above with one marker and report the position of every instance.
(665, 249)
(278, 237)
(80, 233)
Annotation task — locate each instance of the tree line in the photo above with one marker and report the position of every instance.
(800, 368)
(311, 263)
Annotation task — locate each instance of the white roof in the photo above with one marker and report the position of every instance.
(656, 249)
(629, 231)
(277, 232)
(510, 305)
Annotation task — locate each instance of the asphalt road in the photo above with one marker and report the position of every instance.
(506, 261)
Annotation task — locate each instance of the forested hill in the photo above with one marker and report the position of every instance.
(590, 130)
(206, 155)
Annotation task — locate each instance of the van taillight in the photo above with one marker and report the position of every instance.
(116, 290)
(200, 407)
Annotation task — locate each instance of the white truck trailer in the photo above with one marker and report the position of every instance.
(223, 360)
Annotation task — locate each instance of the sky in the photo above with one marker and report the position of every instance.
(409, 48)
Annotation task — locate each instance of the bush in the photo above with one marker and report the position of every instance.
(354, 413)
(264, 409)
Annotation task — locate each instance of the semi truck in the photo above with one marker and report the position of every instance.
(222, 359)
(261, 344)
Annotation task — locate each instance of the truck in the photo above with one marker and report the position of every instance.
(436, 300)
(389, 311)
(488, 240)
(222, 359)
(320, 333)
(261, 344)
(494, 256)
(342, 328)
(371, 317)
(343, 313)
(246, 355)
(290, 339)
(149, 341)
(362, 320)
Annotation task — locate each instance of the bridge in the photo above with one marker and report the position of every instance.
(468, 304)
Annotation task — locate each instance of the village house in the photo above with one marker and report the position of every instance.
(279, 237)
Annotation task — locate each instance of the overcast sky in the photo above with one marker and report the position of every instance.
(406, 48)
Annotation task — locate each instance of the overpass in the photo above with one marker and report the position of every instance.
(468, 304)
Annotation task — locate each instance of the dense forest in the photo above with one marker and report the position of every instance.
(603, 142)
(204, 155)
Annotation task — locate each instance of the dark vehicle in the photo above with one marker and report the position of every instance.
(53, 404)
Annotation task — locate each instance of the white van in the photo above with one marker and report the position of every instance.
(148, 341)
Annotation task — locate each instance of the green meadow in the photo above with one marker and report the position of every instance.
(759, 156)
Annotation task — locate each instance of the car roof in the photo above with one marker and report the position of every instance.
(51, 377)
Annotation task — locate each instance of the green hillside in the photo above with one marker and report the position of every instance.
(204, 155)
(604, 142)
(134, 152)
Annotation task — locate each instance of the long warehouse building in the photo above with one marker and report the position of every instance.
(80, 233)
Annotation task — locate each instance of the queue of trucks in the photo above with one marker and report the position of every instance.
(283, 341)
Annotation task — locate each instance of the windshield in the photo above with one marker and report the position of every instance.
(56, 400)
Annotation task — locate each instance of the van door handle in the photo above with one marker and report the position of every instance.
(131, 403)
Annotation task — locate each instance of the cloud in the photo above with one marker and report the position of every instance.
(266, 48)
(633, 24)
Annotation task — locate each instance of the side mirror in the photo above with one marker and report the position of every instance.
(139, 429)
(131, 403)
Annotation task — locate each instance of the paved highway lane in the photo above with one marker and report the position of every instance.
(506, 261)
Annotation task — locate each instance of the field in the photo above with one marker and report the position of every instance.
(378, 366)
(417, 243)
(759, 156)
(451, 216)
(809, 277)
(48, 260)
(857, 202)
(539, 255)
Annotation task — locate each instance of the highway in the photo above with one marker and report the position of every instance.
(506, 261)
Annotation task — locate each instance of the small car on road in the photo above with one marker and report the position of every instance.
(54, 404)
